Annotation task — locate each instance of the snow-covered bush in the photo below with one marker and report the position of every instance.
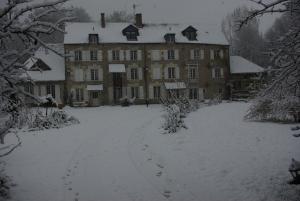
(173, 119)
(56, 119)
(125, 101)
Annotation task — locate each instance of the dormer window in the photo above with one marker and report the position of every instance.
(170, 38)
(190, 33)
(93, 38)
(131, 32)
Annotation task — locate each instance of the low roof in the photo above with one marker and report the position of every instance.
(77, 33)
(117, 68)
(240, 65)
(94, 87)
(55, 62)
(175, 85)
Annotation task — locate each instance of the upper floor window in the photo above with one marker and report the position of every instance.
(134, 73)
(217, 73)
(116, 55)
(171, 73)
(191, 35)
(192, 73)
(171, 54)
(131, 32)
(133, 55)
(94, 74)
(93, 38)
(93, 55)
(78, 55)
(131, 35)
(197, 54)
(190, 32)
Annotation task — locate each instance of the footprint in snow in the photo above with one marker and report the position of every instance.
(158, 174)
(167, 194)
(159, 165)
(70, 189)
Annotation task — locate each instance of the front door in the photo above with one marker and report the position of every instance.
(117, 86)
(95, 98)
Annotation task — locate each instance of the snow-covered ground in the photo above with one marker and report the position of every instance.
(119, 154)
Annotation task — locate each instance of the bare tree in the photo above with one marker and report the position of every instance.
(18, 20)
(280, 99)
(120, 16)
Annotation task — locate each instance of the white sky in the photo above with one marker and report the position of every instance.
(176, 11)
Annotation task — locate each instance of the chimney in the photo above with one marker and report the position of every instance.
(139, 20)
(102, 20)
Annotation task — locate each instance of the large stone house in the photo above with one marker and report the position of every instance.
(108, 61)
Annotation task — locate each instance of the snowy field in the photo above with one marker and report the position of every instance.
(119, 154)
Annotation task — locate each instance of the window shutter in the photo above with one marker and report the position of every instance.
(141, 92)
(88, 74)
(213, 73)
(156, 73)
(212, 54)
(128, 73)
(127, 52)
(222, 73)
(176, 54)
(129, 92)
(35, 90)
(122, 56)
(165, 54)
(100, 58)
(151, 96)
(85, 94)
(57, 93)
(177, 72)
(192, 55)
(71, 56)
(202, 54)
(140, 71)
(166, 73)
(139, 55)
(221, 54)
(100, 74)
(155, 55)
(201, 94)
(109, 55)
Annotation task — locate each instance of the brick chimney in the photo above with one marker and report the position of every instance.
(138, 20)
(102, 20)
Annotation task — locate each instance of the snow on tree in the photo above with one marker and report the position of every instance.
(280, 98)
(18, 21)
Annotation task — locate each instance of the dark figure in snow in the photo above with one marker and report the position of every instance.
(147, 102)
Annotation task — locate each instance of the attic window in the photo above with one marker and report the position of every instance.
(93, 38)
(190, 33)
(131, 33)
(170, 38)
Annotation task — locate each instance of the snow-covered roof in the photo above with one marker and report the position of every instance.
(240, 65)
(175, 85)
(117, 68)
(55, 62)
(94, 87)
(78, 33)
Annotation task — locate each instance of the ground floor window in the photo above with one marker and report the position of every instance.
(79, 94)
(50, 90)
(174, 93)
(134, 92)
(156, 92)
(193, 93)
(95, 94)
(29, 88)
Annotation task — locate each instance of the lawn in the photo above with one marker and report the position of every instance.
(120, 154)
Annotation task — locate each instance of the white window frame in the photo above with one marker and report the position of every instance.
(93, 55)
(78, 55)
(115, 55)
(133, 73)
(134, 92)
(50, 90)
(171, 54)
(133, 55)
(171, 72)
(156, 92)
(94, 74)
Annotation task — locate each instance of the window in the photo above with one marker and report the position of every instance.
(134, 92)
(29, 88)
(131, 35)
(78, 55)
(93, 54)
(171, 54)
(134, 73)
(79, 94)
(170, 38)
(192, 73)
(218, 73)
(193, 93)
(94, 74)
(95, 94)
(191, 35)
(171, 73)
(50, 90)
(156, 92)
(116, 55)
(93, 38)
(173, 93)
(197, 54)
(133, 55)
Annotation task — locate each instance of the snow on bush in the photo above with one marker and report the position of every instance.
(173, 119)
(56, 119)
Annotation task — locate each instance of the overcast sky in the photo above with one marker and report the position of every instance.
(177, 11)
